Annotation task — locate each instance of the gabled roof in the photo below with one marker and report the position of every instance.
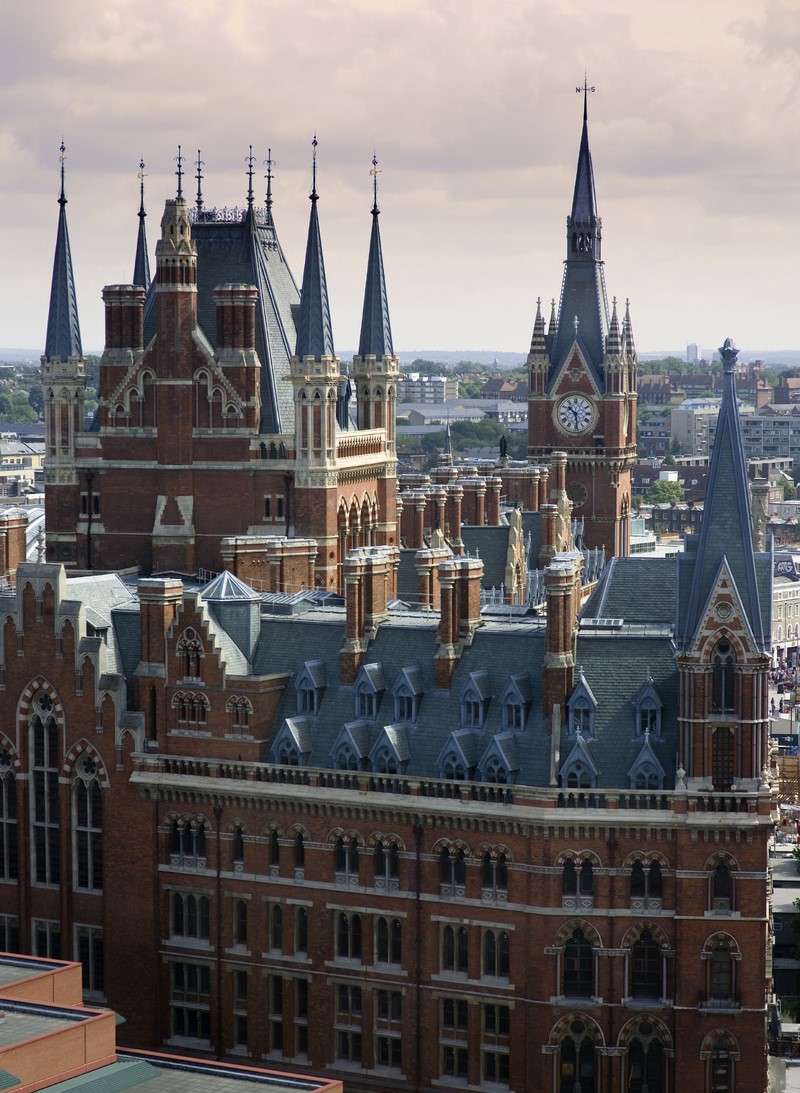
(63, 339)
(376, 330)
(646, 757)
(396, 737)
(504, 747)
(371, 674)
(580, 753)
(314, 334)
(410, 680)
(726, 530)
(480, 683)
(356, 734)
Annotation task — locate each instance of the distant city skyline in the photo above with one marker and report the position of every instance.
(476, 125)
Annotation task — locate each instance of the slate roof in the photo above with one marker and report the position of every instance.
(490, 544)
(242, 247)
(635, 589)
(314, 334)
(376, 330)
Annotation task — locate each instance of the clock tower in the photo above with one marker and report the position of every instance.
(582, 377)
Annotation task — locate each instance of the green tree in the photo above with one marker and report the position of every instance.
(665, 493)
(789, 492)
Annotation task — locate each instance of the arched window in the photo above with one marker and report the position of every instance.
(276, 925)
(578, 966)
(721, 974)
(190, 916)
(275, 851)
(239, 922)
(453, 769)
(388, 941)
(9, 868)
(722, 663)
(385, 762)
(496, 771)
(495, 873)
(188, 845)
(721, 887)
(348, 760)
(346, 865)
(88, 826)
(646, 887)
(455, 950)
(190, 652)
(720, 1067)
(647, 1062)
(722, 758)
(301, 930)
(647, 967)
(576, 1061)
(238, 846)
(299, 852)
(496, 954)
(387, 863)
(453, 867)
(569, 879)
(44, 798)
(348, 937)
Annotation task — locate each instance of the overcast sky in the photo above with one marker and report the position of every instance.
(471, 107)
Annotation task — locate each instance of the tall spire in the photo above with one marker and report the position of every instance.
(250, 161)
(269, 164)
(199, 176)
(583, 293)
(314, 334)
(376, 330)
(726, 530)
(141, 265)
(63, 338)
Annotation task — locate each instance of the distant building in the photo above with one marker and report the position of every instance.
(426, 389)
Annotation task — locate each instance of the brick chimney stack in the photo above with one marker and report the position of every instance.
(368, 577)
(124, 306)
(236, 317)
(427, 563)
(460, 593)
(159, 598)
(549, 533)
(13, 540)
(562, 581)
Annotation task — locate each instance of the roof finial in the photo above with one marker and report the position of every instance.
(179, 159)
(198, 175)
(62, 159)
(375, 172)
(314, 195)
(141, 176)
(269, 163)
(250, 160)
(585, 89)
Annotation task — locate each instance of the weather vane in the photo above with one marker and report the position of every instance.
(587, 87)
(375, 172)
(269, 163)
(314, 144)
(250, 160)
(179, 159)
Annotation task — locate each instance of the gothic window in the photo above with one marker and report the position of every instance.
(365, 703)
(455, 949)
(722, 662)
(239, 710)
(191, 710)
(453, 867)
(646, 967)
(495, 872)
(288, 755)
(405, 708)
(646, 777)
(720, 1063)
(388, 941)
(647, 1062)
(577, 1068)
(496, 772)
(239, 922)
(299, 852)
(347, 758)
(385, 762)
(346, 858)
(301, 930)
(307, 697)
(646, 887)
(8, 818)
(496, 954)
(453, 768)
(387, 861)
(578, 966)
(44, 799)
(238, 845)
(648, 718)
(348, 937)
(190, 653)
(722, 758)
(276, 927)
(721, 974)
(190, 916)
(581, 717)
(188, 844)
(513, 715)
(89, 951)
(88, 826)
(721, 887)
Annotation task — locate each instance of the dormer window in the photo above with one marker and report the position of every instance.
(369, 691)
(405, 707)
(648, 707)
(310, 686)
(365, 704)
(582, 705)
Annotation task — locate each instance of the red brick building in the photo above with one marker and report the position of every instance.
(223, 407)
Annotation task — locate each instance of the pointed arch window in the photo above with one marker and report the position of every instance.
(723, 662)
(453, 870)
(385, 762)
(455, 950)
(720, 1064)
(722, 758)
(579, 980)
(387, 865)
(496, 771)
(647, 967)
(721, 888)
(348, 937)
(45, 819)
(346, 860)
(576, 1061)
(496, 948)
(9, 863)
(188, 844)
(190, 653)
(388, 948)
(299, 853)
(647, 1062)
(495, 874)
(646, 886)
(238, 848)
(88, 826)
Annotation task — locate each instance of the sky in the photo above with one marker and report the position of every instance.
(471, 109)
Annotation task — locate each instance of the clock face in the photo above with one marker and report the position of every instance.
(575, 413)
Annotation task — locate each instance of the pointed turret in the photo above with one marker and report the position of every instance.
(141, 266)
(583, 313)
(63, 339)
(314, 334)
(538, 344)
(613, 341)
(627, 333)
(725, 538)
(376, 330)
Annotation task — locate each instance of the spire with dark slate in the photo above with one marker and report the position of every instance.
(726, 530)
(141, 266)
(583, 295)
(314, 335)
(63, 330)
(538, 343)
(376, 330)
